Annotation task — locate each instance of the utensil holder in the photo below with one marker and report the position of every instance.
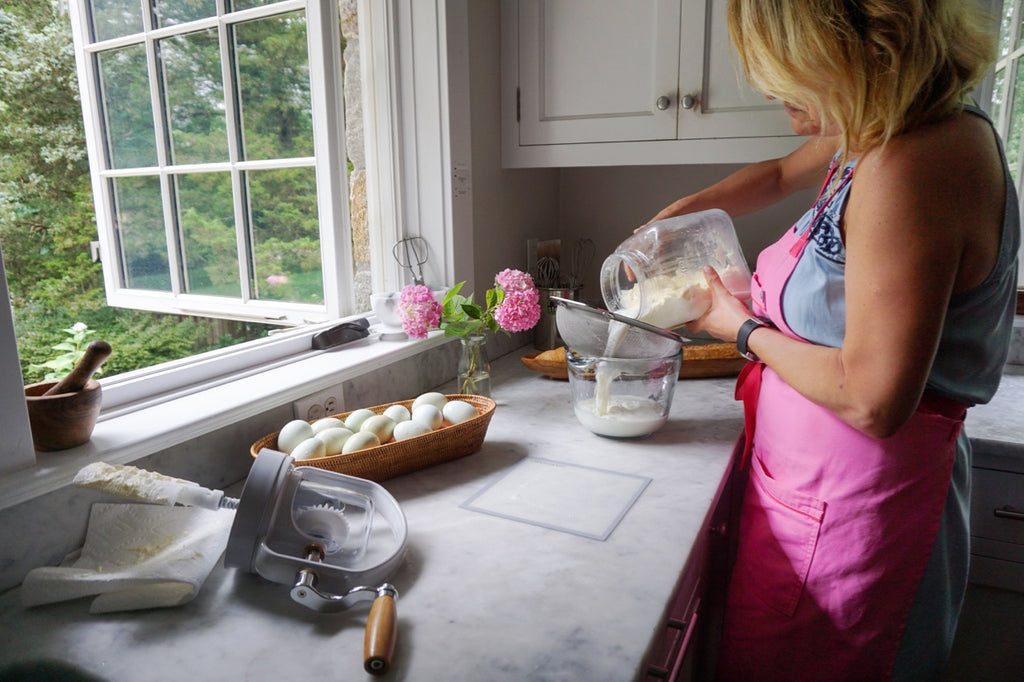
(545, 335)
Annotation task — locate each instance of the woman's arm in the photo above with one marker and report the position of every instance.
(761, 184)
(907, 232)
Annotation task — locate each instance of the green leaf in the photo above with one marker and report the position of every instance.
(473, 311)
(462, 328)
(451, 294)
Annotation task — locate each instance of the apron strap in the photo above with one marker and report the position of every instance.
(748, 388)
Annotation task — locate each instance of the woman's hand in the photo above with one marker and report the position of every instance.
(726, 314)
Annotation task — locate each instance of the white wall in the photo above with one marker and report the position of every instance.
(509, 206)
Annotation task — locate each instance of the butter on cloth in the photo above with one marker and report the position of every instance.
(135, 556)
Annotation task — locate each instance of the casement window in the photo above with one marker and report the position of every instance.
(141, 89)
(216, 146)
(1007, 107)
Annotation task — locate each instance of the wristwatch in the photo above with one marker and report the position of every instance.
(744, 334)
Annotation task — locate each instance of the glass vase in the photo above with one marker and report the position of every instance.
(474, 367)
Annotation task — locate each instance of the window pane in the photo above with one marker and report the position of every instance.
(273, 81)
(1005, 24)
(173, 12)
(238, 5)
(1016, 123)
(210, 252)
(116, 18)
(127, 111)
(140, 232)
(997, 94)
(194, 97)
(286, 235)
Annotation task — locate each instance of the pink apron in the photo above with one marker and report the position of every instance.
(836, 527)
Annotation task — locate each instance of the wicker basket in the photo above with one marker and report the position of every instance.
(401, 457)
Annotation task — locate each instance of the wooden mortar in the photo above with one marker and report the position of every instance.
(63, 413)
(63, 420)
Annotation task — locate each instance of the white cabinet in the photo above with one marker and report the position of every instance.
(609, 82)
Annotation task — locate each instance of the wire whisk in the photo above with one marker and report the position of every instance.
(411, 254)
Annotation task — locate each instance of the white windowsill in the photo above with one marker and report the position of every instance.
(130, 436)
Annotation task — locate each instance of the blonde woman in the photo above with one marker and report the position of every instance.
(878, 319)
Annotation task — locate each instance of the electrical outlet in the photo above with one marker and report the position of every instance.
(318, 405)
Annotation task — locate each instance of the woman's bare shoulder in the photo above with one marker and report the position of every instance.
(959, 152)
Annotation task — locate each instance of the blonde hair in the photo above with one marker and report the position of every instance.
(873, 69)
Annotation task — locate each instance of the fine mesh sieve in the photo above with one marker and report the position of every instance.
(595, 332)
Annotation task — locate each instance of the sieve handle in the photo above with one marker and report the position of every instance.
(381, 631)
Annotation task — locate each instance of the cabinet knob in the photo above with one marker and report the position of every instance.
(688, 101)
(663, 102)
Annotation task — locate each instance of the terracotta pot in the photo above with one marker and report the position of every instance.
(64, 420)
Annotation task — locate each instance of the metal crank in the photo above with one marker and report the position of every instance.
(381, 624)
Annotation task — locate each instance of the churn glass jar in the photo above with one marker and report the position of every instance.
(656, 275)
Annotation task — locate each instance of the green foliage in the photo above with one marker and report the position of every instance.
(462, 317)
(72, 347)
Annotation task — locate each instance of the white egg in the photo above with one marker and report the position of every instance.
(360, 441)
(354, 420)
(293, 433)
(428, 415)
(433, 398)
(334, 439)
(409, 429)
(398, 413)
(311, 448)
(380, 426)
(327, 423)
(458, 411)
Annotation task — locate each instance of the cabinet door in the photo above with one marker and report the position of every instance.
(715, 100)
(594, 70)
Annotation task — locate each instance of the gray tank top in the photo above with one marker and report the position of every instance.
(976, 334)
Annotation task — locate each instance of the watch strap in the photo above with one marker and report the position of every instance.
(743, 335)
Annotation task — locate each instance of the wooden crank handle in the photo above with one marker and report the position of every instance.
(95, 355)
(381, 630)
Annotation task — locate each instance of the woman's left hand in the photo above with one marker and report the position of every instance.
(726, 314)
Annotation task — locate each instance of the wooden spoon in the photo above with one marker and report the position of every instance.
(95, 355)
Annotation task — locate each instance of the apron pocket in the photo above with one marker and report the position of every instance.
(780, 533)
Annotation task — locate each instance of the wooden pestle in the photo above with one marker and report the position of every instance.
(95, 355)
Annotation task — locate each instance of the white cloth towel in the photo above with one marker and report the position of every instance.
(135, 556)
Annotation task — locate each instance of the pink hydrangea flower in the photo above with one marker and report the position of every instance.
(514, 280)
(519, 311)
(419, 310)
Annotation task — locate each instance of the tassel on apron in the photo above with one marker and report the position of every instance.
(836, 527)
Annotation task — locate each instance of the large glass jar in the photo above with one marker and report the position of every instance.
(656, 275)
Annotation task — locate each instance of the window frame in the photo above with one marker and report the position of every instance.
(329, 163)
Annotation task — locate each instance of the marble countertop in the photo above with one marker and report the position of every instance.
(481, 597)
(1003, 418)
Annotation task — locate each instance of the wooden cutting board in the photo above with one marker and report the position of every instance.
(699, 361)
(711, 360)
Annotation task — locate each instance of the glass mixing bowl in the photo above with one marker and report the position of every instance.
(622, 397)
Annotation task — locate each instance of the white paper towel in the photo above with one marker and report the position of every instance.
(135, 556)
